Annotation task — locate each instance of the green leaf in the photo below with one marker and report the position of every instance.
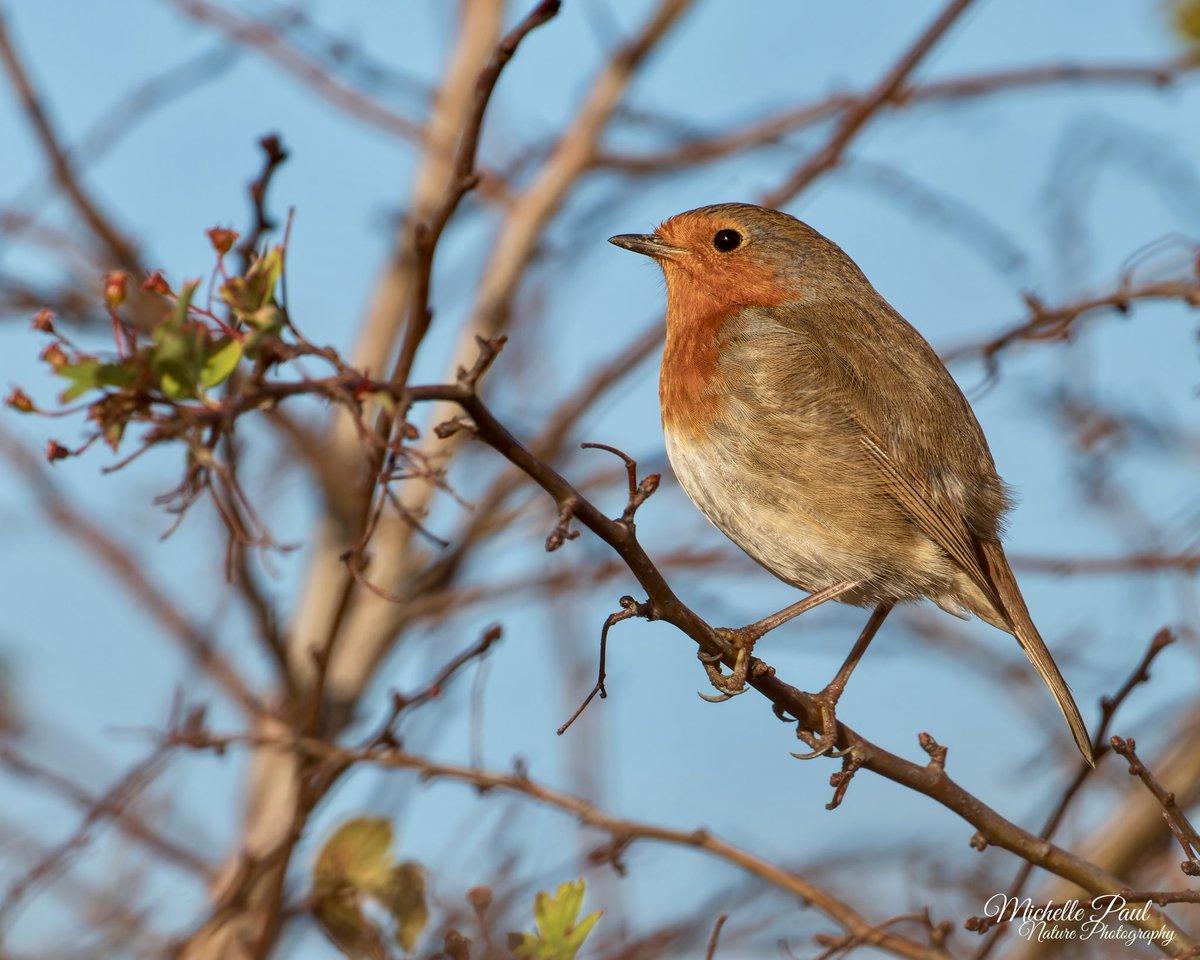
(346, 925)
(91, 374)
(559, 936)
(357, 855)
(248, 294)
(179, 314)
(83, 376)
(221, 362)
(404, 899)
(1186, 15)
(178, 353)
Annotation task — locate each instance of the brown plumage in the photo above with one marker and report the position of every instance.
(821, 433)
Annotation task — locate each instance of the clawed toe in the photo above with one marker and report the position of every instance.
(823, 740)
(728, 685)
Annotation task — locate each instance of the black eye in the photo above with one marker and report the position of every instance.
(727, 240)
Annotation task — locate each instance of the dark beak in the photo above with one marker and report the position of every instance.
(648, 244)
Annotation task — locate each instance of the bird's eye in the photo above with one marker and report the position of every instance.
(727, 240)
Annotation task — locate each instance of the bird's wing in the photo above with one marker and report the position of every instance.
(939, 521)
(982, 559)
(914, 421)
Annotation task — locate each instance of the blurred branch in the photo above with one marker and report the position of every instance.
(1057, 323)
(857, 116)
(68, 182)
(623, 832)
(1100, 746)
(698, 150)
(1140, 562)
(119, 563)
(132, 825)
(269, 40)
(1131, 839)
(110, 806)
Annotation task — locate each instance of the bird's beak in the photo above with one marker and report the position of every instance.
(648, 244)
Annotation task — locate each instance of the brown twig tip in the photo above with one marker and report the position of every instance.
(639, 492)
(629, 608)
(937, 753)
(489, 350)
(711, 952)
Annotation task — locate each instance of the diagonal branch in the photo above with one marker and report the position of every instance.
(119, 247)
(857, 117)
(119, 563)
(930, 779)
(268, 39)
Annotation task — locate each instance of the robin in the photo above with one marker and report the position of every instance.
(820, 432)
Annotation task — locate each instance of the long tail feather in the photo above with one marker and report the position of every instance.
(1021, 624)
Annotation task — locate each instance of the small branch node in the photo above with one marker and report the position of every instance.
(562, 531)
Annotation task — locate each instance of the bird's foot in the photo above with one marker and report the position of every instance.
(823, 738)
(729, 685)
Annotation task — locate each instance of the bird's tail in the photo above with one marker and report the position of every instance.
(1012, 606)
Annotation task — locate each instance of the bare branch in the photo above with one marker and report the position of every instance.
(118, 562)
(268, 39)
(771, 130)
(120, 248)
(622, 831)
(857, 116)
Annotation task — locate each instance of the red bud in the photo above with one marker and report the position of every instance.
(19, 401)
(157, 283)
(222, 239)
(114, 287)
(43, 320)
(54, 355)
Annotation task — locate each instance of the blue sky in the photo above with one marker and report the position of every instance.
(1116, 158)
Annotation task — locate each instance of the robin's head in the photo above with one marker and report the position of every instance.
(739, 254)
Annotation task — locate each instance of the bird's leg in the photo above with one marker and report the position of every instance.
(744, 638)
(823, 739)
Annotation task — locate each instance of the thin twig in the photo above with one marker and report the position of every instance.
(711, 952)
(1181, 827)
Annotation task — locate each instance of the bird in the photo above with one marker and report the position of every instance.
(820, 432)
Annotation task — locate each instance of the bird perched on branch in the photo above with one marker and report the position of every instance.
(821, 433)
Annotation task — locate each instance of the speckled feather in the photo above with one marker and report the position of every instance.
(820, 432)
